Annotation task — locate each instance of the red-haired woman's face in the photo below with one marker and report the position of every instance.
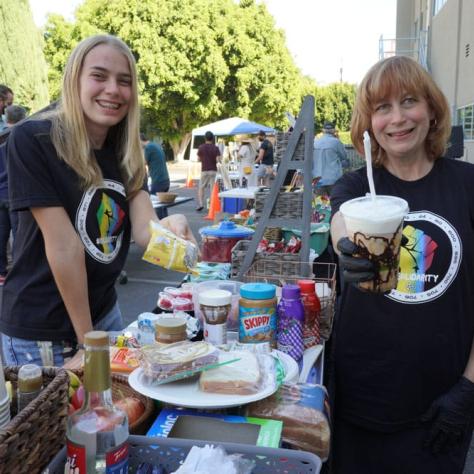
(105, 87)
(400, 125)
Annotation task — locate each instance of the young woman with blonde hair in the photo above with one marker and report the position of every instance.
(77, 178)
(404, 361)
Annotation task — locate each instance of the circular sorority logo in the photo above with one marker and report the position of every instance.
(99, 221)
(426, 272)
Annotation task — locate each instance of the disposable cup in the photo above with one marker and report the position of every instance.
(376, 228)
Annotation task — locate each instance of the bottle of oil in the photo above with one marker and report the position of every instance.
(97, 433)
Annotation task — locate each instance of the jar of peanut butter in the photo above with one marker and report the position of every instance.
(257, 313)
(169, 330)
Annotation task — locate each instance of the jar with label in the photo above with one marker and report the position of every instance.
(215, 307)
(312, 313)
(257, 313)
(170, 330)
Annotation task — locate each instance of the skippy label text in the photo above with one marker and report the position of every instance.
(257, 325)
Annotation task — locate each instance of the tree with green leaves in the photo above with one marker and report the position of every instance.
(22, 64)
(198, 61)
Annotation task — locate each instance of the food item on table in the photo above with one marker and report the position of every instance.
(124, 359)
(183, 304)
(257, 313)
(376, 227)
(170, 330)
(74, 380)
(303, 408)
(241, 377)
(182, 359)
(77, 398)
(170, 251)
(132, 406)
(215, 307)
(165, 301)
(97, 433)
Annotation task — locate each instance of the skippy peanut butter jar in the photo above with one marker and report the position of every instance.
(257, 313)
(375, 226)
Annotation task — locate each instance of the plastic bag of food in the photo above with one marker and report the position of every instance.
(170, 251)
(303, 409)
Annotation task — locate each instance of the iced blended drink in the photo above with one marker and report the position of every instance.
(376, 227)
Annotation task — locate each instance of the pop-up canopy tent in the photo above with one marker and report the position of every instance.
(232, 126)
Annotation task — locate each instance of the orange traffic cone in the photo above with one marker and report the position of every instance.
(215, 205)
(189, 179)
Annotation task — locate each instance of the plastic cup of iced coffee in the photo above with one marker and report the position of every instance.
(375, 226)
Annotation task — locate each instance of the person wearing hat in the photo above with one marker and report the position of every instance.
(245, 157)
(329, 159)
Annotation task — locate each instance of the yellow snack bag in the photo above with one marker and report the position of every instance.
(170, 251)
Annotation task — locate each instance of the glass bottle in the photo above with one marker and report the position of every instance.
(97, 433)
(312, 313)
(290, 322)
(30, 384)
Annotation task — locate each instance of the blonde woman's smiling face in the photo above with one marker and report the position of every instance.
(105, 88)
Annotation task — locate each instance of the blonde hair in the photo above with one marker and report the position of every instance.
(69, 134)
(400, 75)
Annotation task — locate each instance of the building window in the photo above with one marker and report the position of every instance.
(466, 119)
(438, 4)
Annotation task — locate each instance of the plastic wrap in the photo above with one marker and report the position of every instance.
(304, 409)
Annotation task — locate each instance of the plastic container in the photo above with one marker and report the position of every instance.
(218, 241)
(170, 330)
(312, 313)
(169, 454)
(228, 285)
(319, 236)
(257, 313)
(146, 328)
(215, 306)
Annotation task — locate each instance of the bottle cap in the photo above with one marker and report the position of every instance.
(30, 378)
(291, 292)
(258, 291)
(306, 286)
(215, 297)
(96, 338)
(170, 325)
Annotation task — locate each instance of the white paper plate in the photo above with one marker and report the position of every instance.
(186, 393)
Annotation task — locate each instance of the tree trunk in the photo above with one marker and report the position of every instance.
(179, 146)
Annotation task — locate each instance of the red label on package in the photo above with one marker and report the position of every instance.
(76, 459)
(117, 460)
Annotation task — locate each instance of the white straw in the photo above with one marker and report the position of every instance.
(368, 160)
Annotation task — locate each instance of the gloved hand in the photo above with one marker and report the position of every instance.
(451, 416)
(355, 269)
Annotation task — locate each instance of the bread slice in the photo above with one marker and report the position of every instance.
(237, 378)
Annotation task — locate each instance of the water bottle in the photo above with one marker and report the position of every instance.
(290, 322)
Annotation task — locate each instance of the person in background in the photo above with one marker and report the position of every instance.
(157, 170)
(77, 174)
(404, 361)
(329, 159)
(8, 219)
(209, 155)
(246, 159)
(264, 159)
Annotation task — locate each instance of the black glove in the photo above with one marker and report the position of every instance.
(451, 416)
(355, 268)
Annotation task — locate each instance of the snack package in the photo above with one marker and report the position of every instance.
(124, 359)
(167, 363)
(170, 251)
(304, 409)
(244, 373)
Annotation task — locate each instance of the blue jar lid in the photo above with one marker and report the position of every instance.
(227, 229)
(258, 291)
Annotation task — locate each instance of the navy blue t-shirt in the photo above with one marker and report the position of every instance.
(32, 306)
(396, 353)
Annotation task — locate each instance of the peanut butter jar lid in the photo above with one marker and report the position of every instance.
(170, 325)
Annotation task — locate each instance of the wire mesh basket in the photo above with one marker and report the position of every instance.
(281, 272)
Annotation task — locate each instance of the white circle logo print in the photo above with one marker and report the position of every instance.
(99, 221)
(426, 272)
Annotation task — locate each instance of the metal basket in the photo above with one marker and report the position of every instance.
(288, 204)
(281, 272)
(169, 453)
(281, 144)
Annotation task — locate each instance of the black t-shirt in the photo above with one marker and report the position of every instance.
(396, 353)
(268, 152)
(208, 153)
(32, 306)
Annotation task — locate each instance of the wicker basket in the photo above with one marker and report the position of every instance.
(37, 433)
(121, 389)
(166, 198)
(273, 234)
(288, 204)
(281, 144)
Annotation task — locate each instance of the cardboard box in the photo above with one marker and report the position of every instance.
(215, 427)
